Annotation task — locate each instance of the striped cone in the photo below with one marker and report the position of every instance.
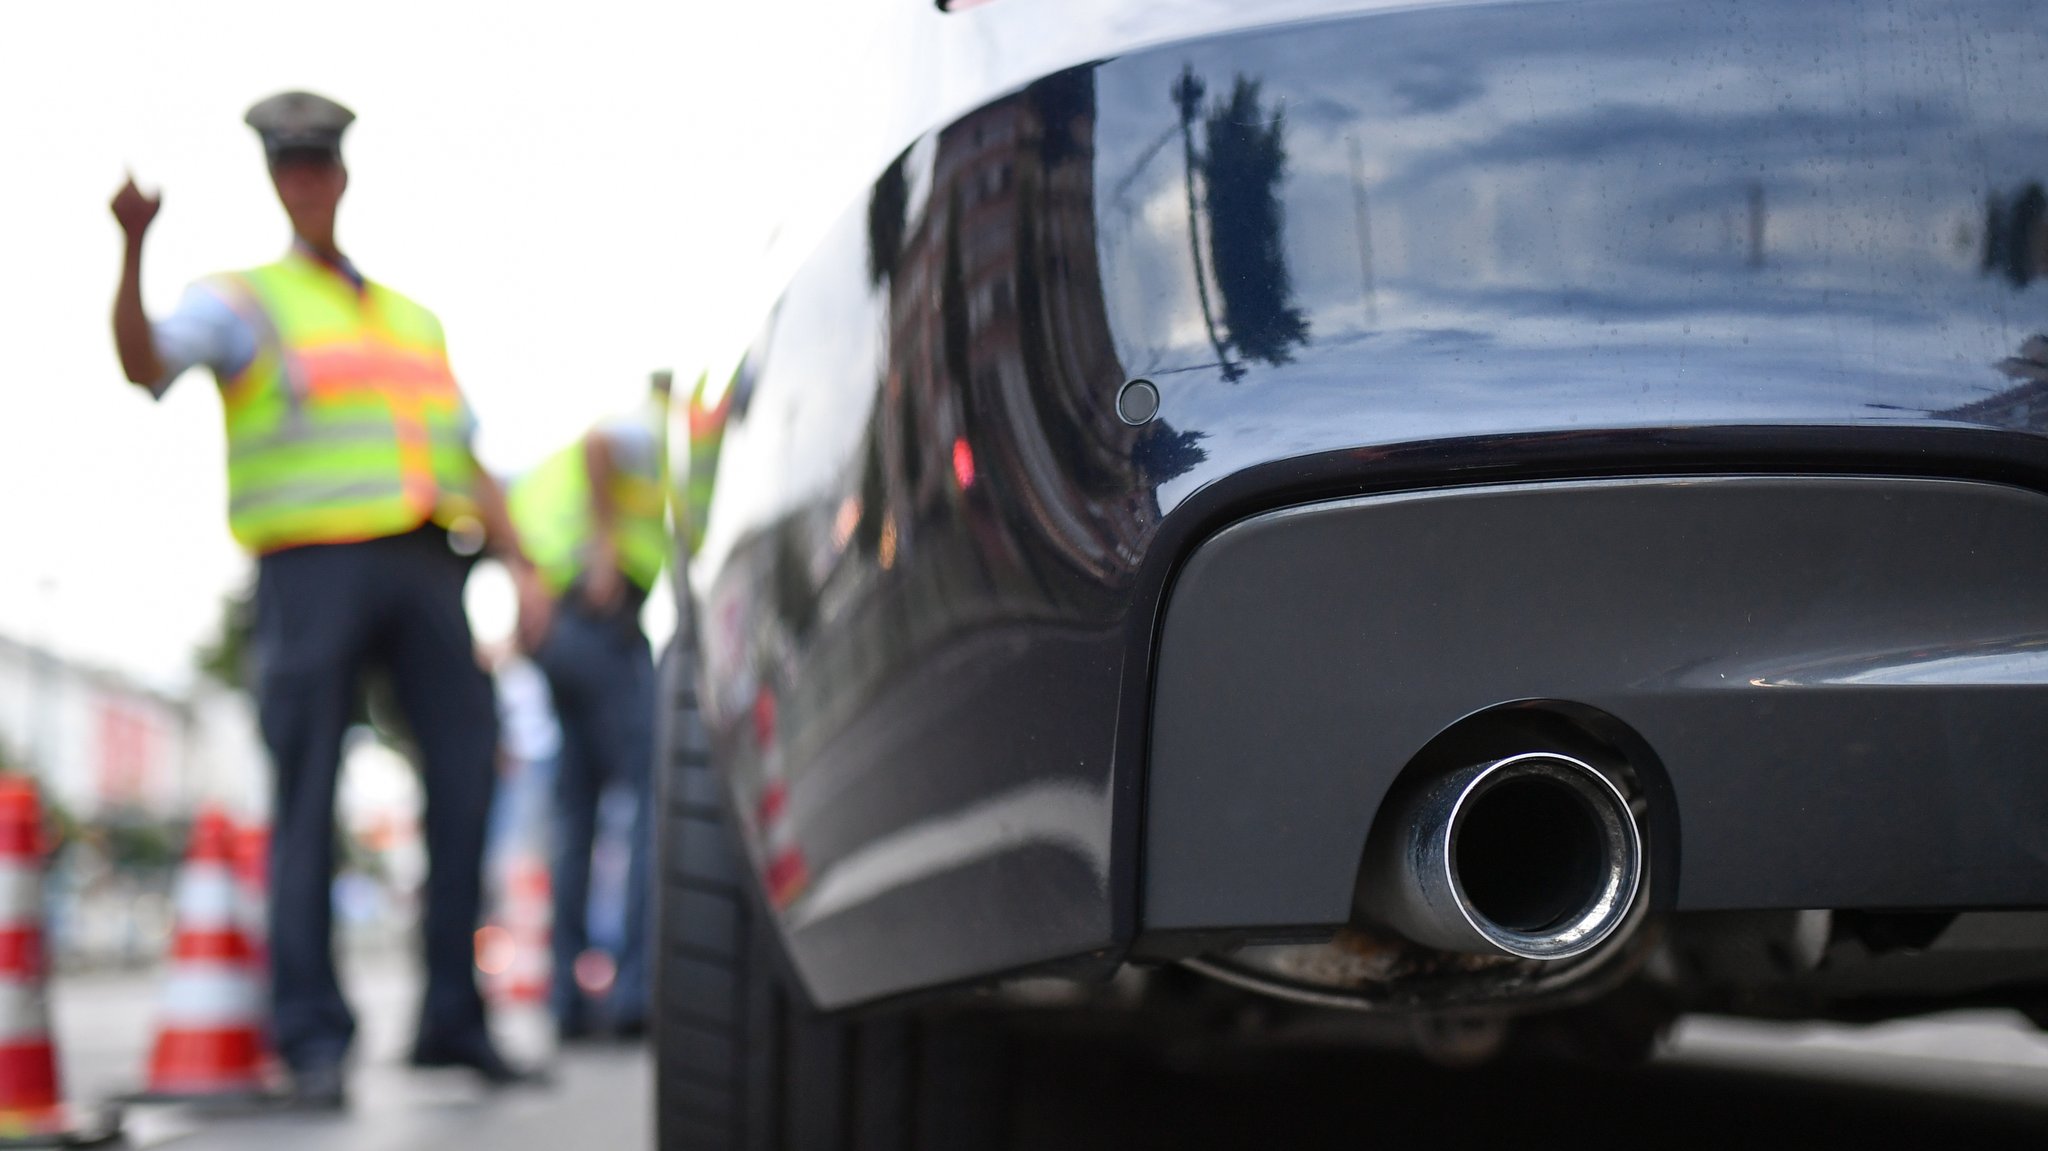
(32, 1109)
(209, 1043)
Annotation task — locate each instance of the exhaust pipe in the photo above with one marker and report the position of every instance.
(1535, 856)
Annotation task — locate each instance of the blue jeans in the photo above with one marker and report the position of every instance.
(601, 672)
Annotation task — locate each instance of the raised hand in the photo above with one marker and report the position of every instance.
(135, 210)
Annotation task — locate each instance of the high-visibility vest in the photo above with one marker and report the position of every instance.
(550, 505)
(347, 425)
(707, 433)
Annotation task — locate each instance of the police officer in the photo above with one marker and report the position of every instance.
(351, 478)
(593, 518)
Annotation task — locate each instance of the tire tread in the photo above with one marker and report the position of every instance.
(742, 1061)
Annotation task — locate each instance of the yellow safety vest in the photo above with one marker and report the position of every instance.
(347, 425)
(551, 507)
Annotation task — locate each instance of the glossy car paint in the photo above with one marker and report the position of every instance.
(1390, 250)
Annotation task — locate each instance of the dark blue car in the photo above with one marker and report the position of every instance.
(1514, 514)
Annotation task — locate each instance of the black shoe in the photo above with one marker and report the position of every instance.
(320, 1087)
(574, 1030)
(629, 1030)
(479, 1056)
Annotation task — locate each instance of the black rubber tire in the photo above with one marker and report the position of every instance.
(742, 1060)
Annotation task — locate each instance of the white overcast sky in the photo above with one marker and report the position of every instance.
(566, 185)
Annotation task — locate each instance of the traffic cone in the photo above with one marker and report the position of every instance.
(210, 1044)
(32, 1110)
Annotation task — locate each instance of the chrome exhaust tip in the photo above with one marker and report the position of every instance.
(1536, 856)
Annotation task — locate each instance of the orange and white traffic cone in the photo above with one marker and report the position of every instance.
(210, 1039)
(512, 950)
(32, 1110)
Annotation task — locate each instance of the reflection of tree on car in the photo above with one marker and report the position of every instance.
(2016, 234)
(1242, 170)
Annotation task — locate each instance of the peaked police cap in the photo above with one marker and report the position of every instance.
(299, 121)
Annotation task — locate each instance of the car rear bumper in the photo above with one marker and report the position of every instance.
(1838, 685)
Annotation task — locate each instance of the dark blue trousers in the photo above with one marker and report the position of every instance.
(324, 615)
(601, 673)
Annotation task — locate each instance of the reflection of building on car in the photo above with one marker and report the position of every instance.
(1326, 517)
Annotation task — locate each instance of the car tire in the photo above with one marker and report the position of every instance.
(743, 1062)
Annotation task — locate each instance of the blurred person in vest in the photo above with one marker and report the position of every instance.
(594, 519)
(352, 480)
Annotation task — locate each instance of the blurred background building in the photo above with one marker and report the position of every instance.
(123, 766)
(105, 747)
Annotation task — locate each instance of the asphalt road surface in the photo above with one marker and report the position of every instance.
(1975, 1080)
(599, 1097)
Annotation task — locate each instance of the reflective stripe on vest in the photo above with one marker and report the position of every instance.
(347, 425)
(551, 507)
